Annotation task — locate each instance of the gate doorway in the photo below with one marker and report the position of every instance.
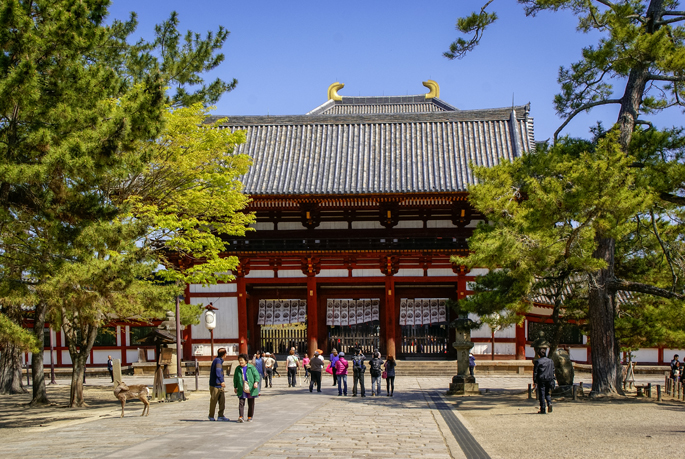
(365, 336)
(425, 328)
(279, 339)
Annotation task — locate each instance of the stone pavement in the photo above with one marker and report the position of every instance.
(291, 422)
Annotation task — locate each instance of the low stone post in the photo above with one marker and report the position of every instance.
(530, 391)
(116, 372)
(658, 392)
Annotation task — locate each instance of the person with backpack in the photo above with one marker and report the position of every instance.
(334, 360)
(315, 367)
(675, 367)
(358, 369)
(269, 363)
(543, 374)
(390, 376)
(341, 366)
(376, 364)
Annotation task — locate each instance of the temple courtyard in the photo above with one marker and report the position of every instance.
(418, 422)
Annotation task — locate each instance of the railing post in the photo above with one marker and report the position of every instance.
(575, 392)
(658, 393)
(530, 391)
(649, 390)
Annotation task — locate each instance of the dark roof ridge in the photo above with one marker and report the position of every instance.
(488, 114)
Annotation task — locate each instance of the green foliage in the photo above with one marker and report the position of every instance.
(11, 333)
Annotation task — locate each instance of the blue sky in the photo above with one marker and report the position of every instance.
(285, 54)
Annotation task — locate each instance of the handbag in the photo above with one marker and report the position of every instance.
(246, 387)
(384, 375)
(329, 370)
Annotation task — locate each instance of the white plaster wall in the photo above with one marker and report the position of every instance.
(128, 337)
(333, 273)
(409, 224)
(131, 355)
(646, 355)
(481, 348)
(213, 288)
(66, 358)
(410, 272)
(478, 272)
(331, 225)
(505, 348)
(101, 356)
(46, 357)
(226, 318)
(669, 353)
(439, 224)
(290, 226)
(578, 354)
(265, 274)
(292, 273)
(366, 273)
(509, 332)
(470, 285)
(440, 272)
(366, 225)
(262, 226)
(118, 335)
(540, 311)
(530, 352)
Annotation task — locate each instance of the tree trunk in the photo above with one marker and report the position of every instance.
(10, 371)
(602, 332)
(76, 399)
(40, 395)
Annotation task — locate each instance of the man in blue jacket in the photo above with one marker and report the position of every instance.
(217, 385)
(543, 375)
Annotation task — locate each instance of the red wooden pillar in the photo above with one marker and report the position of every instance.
(390, 316)
(312, 314)
(242, 315)
(521, 341)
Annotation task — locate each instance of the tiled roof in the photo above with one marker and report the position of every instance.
(349, 154)
(383, 104)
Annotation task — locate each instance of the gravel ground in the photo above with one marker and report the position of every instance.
(508, 426)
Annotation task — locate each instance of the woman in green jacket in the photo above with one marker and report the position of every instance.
(246, 372)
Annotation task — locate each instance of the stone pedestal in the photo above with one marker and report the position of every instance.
(462, 382)
(463, 385)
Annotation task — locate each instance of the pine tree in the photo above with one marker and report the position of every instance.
(642, 44)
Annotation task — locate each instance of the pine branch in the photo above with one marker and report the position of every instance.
(628, 286)
(672, 198)
(653, 76)
(583, 108)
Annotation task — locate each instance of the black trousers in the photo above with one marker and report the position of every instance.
(316, 379)
(390, 385)
(358, 378)
(250, 407)
(268, 377)
(111, 374)
(292, 376)
(545, 394)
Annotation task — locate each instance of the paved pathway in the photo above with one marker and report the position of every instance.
(291, 423)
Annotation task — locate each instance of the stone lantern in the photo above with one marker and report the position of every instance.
(463, 383)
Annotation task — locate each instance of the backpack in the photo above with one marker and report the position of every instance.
(357, 363)
(376, 368)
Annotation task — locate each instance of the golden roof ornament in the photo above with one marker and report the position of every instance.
(434, 89)
(333, 91)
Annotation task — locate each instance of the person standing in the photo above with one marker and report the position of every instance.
(334, 360)
(675, 367)
(110, 367)
(305, 364)
(472, 363)
(246, 387)
(316, 365)
(544, 380)
(293, 363)
(376, 364)
(390, 376)
(341, 373)
(358, 369)
(217, 385)
(258, 363)
(268, 370)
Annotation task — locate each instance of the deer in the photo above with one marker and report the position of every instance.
(139, 391)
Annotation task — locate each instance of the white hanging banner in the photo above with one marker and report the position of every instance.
(329, 313)
(410, 312)
(294, 311)
(344, 318)
(434, 311)
(403, 311)
(261, 314)
(278, 312)
(269, 313)
(336, 313)
(442, 310)
(375, 309)
(302, 313)
(352, 312)
(426, 310)
(361, 318)
(286, 311)
(418, 312)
